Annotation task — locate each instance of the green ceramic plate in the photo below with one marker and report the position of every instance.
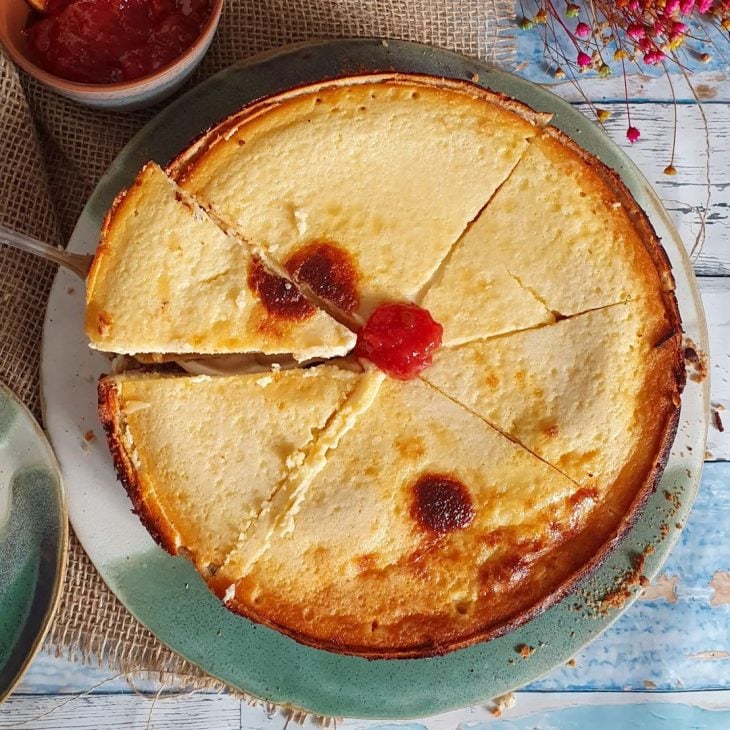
(167, 595)
(33, 532)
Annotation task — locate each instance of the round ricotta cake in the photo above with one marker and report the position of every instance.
(356, 506)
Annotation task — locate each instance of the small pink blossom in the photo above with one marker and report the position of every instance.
(704, 5)
(635, 31)
(678, 28)
(686, 6)
(633, 134)
(671, 7)
(653, 58)
(582, 30)
(583, 59)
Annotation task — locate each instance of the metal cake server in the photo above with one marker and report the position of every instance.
(79, 264)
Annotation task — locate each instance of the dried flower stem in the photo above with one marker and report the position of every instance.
(645, 32)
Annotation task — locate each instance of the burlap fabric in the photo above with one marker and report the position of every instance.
(52, 153)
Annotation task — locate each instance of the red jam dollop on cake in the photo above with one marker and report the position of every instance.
(400, 339)
(110, 41)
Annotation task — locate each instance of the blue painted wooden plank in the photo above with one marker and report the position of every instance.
(54, 675)
(648, 716)
(673, 645)
(537, 711)
(536, 67)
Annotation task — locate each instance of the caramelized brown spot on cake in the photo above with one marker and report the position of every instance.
(329, 272)
(441, 504)
(583, 495)
(410, 447)
(491, 380)
(279, 296)
(551, 431)
(103, 322)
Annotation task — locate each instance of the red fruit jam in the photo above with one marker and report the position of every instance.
(108, 41)
(400, 339)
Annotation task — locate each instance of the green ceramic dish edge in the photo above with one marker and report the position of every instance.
(33, 541)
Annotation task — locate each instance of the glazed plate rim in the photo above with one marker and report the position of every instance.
(41, 447)
(257, 660)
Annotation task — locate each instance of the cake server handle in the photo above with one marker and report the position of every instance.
(78, 263)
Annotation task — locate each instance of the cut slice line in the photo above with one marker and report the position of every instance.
(583, 410)
(539, 326)
(349, 206)
(352, 322)
(149, 419)
(506, 435)
(438, 274)
(205, 292)
(279, 510)
(531, 291)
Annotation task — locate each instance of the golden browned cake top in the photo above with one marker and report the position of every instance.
(341, 184)
(560, 237)
(366, 515)
(589, 394)
(407, 540)
(166, 279)
(201, 455)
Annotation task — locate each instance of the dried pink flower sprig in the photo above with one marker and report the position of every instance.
(641, 31)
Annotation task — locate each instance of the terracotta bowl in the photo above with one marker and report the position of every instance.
(125, 95)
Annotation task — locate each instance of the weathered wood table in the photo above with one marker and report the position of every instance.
(666, 663)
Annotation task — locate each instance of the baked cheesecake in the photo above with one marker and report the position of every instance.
(360, 187)
(427, 529)
(200, 456)
(167, 280)
(595, 395)
(358, 506)
(561, 236)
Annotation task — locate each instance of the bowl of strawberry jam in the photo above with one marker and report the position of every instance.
(109, 54)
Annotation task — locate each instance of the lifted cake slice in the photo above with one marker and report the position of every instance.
(359, 188)
(596, 396)
(560, 237)
(425, 529)
(201, 455)
(166, 279)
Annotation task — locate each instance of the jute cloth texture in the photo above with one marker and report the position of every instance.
(53, 152)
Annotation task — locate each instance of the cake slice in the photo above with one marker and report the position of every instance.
(474, 304)
(360, 188)
(560, 237)
(596, 396)
(201, 455)
(166, 279)
(425, 529)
